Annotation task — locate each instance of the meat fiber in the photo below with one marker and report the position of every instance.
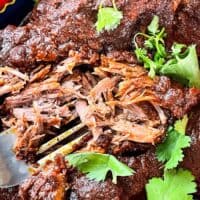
(124, 105)
(128, 188)
(11, 81)
(44, 106)
(59, 27)
(119, 103)
(146, 167)
(130, 106)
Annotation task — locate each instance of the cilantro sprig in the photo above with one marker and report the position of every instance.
(184, 67)
(108, 18)
(170, 151)
(176, 184)
(97, 165)
(181, 63)
(154, 41)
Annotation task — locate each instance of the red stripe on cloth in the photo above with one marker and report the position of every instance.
(3, 3)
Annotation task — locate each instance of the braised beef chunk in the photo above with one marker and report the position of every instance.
(9, 193)
(38, 41)
(146, 166)
(84, 189)
(48, 184)
(174, 97)
(186, 22)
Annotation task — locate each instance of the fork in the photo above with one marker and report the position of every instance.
(13, 171)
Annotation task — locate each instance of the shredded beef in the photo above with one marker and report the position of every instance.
(146, 167)
(129, 104)
(127, 188)
(46, 102)
(122, 107)
(116, 101)
(11, 81)
(126, 111)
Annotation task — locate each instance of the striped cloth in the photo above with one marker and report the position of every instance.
(13, 11)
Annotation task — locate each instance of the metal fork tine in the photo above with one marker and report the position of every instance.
(8, 131)
(59, 138)
(64, 150)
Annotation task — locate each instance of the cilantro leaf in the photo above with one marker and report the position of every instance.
(185, 66)
(177, 184)
(97, 165)
(153, 27)
(170, 151)
(141, 55)
(154, 42)
(177, 48)
(179, 65)
(108, 18)
(180, 125)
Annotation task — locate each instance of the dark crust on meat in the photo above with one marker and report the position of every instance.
(9, 194)
(146, 166)
(174, 97)
(37, 41)
(47, 184)
(192, 156)
(85, 189)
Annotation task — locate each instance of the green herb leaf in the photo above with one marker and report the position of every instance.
(153, 27)
(108, 18)
(170, 151)
(141, 55)
(177, 184)
(154, 42)
(185, 66)
(180, 125)
(97, 165)
(181, 66)
(177, 48)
